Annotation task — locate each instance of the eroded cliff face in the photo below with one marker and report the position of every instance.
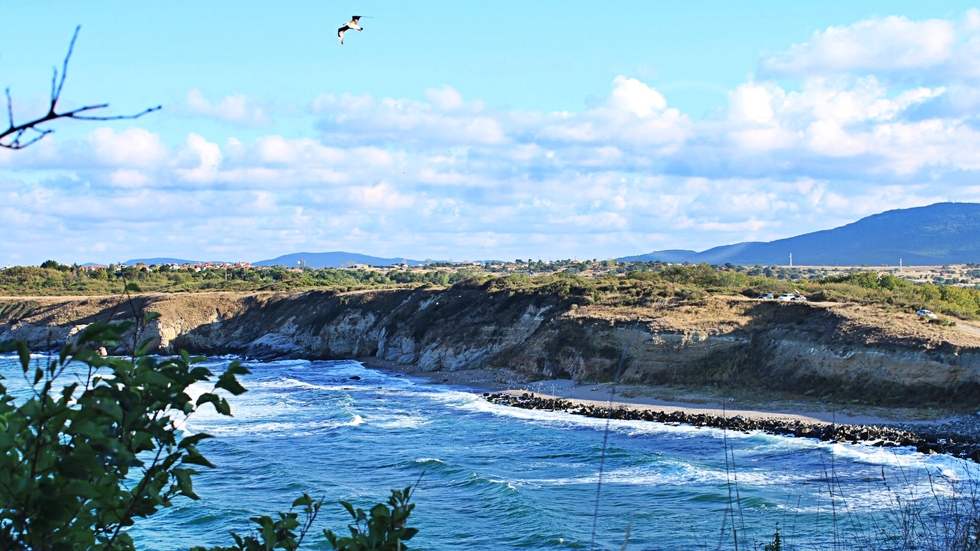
(825, 349)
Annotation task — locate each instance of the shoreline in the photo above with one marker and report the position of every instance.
(568, 395)
(601, 394)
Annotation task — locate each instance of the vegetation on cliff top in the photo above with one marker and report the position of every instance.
(608, 282)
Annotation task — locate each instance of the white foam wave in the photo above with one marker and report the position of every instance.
(286, 382)
(288, 363)
(401, 422)
(277, 428)
(680, 475)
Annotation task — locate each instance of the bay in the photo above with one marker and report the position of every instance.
(494, 477)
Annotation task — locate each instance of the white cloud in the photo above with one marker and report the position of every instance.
(445, 98)
(382, 195)
(752, 103)
(129, 178)
(636, 97)
(442, 176)
(133, 147)
(207, 156)
(890, 44)
(235, 108)
(448, 120)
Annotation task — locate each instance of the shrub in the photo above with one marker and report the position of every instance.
(81, 463)
(65, 455)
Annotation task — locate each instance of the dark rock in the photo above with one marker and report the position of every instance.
(887, 437)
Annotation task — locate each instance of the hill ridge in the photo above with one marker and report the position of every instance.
(941, 233)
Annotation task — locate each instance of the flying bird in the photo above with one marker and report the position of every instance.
(352, 24)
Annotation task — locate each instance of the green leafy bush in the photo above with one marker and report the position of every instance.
(81, 463)
(384, 530)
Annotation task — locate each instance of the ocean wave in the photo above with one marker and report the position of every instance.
(274, 429)
(399, 422)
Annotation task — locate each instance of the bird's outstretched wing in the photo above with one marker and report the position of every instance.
(340, 33)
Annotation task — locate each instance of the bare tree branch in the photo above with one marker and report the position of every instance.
(10, 109)
(19, 136)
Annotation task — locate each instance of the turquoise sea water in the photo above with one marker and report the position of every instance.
(504, 478)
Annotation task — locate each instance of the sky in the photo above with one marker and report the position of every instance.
(479, 130)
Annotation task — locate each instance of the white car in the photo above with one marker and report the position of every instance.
(926, 313)
(786, 296)
(799, 298)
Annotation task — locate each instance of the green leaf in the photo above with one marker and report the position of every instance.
(132, 287)
(184, 483)
(25, 355)
(268, 531)
(65, 351)
(96, 332)
(150, 316)
(207, 398)
(194, 457)
(350, 509)
(223, 407)
(193, 440)
(38, 375)
(380, 510)
(227, 380)
(304, 500)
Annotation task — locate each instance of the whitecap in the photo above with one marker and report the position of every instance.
(399, 422)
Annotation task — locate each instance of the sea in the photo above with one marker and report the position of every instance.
(488, 476)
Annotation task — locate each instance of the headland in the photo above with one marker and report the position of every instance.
(816, 361)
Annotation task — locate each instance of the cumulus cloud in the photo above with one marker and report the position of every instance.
(204, 158)
(446, 175)
(876, 45)
(636, 97)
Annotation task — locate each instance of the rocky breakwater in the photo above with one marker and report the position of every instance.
(828, 432)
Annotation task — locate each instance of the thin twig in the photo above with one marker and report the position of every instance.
(416, 485)
(10, 109)
(56, 93)
(17, 132)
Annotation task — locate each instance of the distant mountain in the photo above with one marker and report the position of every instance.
(334, 259)
(943, 233)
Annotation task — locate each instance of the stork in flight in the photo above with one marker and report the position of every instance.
(352, 24)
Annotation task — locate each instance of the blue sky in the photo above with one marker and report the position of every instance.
(446, 129)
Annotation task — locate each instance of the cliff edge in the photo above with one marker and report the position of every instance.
(842, 351)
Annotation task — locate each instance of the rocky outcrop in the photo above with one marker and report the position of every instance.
(842, 351)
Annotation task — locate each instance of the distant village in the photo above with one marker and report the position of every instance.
(962, 275)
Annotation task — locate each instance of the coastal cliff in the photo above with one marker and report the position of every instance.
(838, 350)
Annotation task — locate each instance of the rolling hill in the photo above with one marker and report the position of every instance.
(942, 233)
